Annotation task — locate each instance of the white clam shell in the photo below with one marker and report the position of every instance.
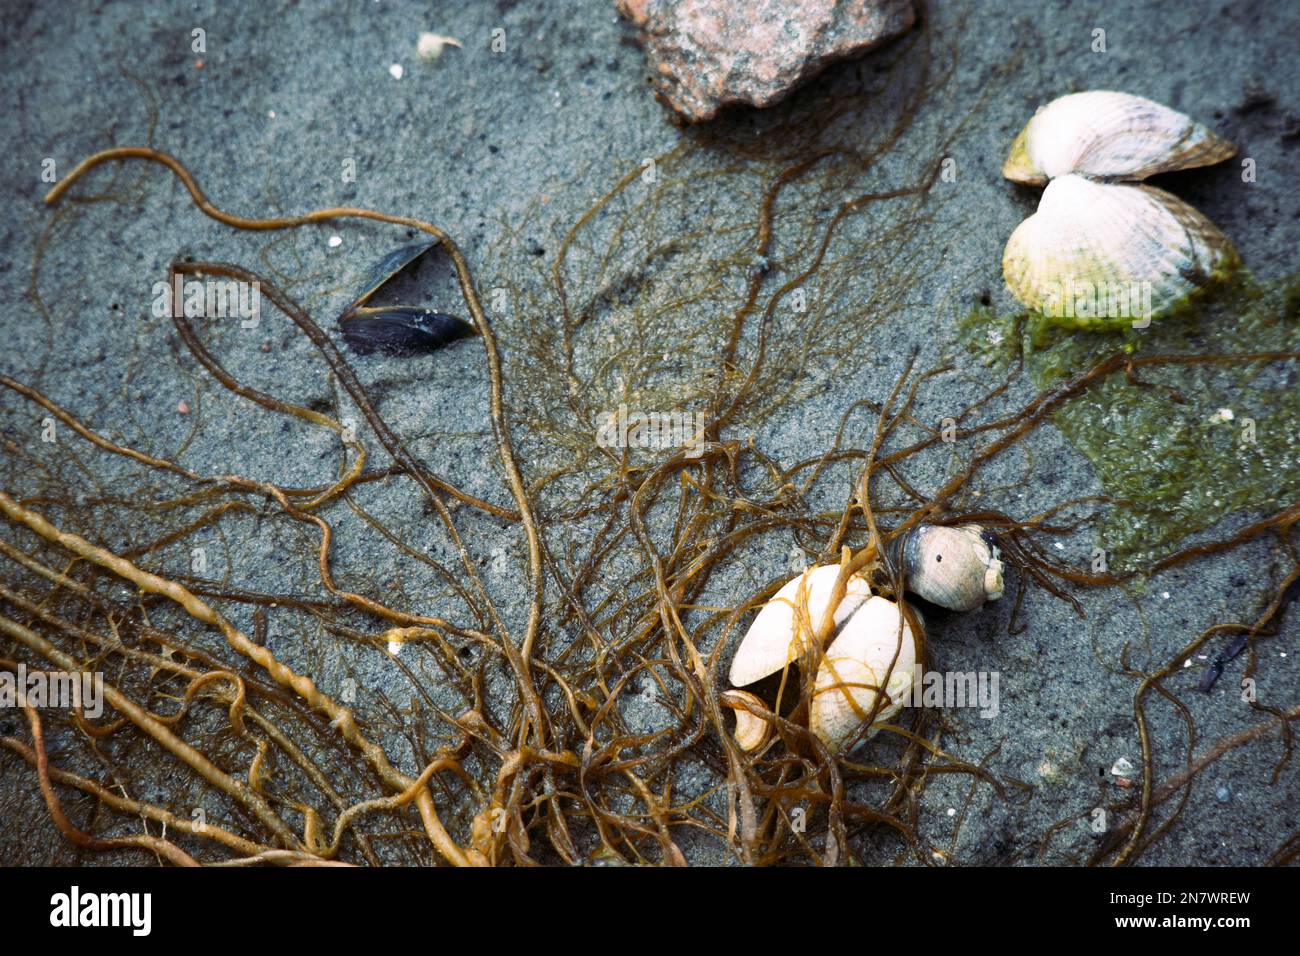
(1108, 135)
(773, 639)
(854, 670)
(1096, 252)
(953, 567)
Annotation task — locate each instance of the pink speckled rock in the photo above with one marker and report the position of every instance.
(707, 54)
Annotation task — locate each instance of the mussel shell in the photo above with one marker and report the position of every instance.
(1114, 238)
(1112, 136)
(387, 267)
(401, 330)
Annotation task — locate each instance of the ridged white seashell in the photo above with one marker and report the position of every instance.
(1095, 252)
(953, 567)
(774, 640)
(1108, 135)
(854, 670)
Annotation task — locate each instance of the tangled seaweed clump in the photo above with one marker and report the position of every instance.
(560, 639)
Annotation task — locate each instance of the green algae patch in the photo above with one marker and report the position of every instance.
(1176, 445)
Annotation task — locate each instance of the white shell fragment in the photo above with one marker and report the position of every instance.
(751, 731)
(784, 626)
(953, 567)
(855, 668)
(430, 46)
(1108, 135)
(1095, 252)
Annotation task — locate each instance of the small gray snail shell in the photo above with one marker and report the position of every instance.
(956, 567)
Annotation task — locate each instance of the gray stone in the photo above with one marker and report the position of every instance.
(708, 54)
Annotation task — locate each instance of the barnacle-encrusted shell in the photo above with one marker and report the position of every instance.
(1095, 252)
(773, 639)
(751, 731)
(953, 567)
(1108, 135)
(854, 670)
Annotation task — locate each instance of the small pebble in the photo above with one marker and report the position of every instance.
(396, 70)
(183, 407)
(336, 241)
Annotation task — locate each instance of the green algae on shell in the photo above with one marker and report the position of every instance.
(1174, 468)
(1103, 255)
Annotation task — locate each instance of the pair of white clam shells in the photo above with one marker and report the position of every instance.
(872, 645)
(1098, 232)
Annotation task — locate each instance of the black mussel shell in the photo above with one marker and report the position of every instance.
(389, 266)
(401, 330)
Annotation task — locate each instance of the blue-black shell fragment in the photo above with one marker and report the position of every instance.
(389, 266)
(401, 330)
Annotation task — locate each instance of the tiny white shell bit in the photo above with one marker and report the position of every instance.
(1108, 135)
(854, 670)
(778, 636)
(951, 566)
(1098, 252)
